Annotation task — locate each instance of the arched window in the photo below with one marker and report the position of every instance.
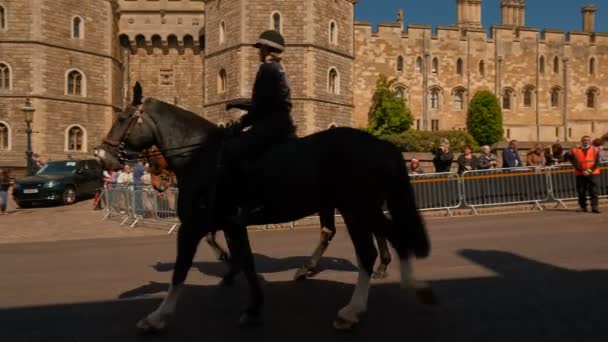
(333, 81)
(332, 126)
(591, 98)
(528, 96)
(5, 134)
(75, 139)
(434, 98)
(459, 67)
(458, 98)
(400, 63)
(555, 95)
(555, 65)
(277, 25)
(77, 28)
(541, 64)
(222, 32)
(401, 92)
(333, 32)
(75, 83)
(2, 18)
(5, 77)
(435, 66)
(221, 81)
(482, 68)
(506, 99)
(418, 64)
(592, 67)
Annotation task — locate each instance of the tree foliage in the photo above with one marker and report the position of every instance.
(388, 113)
(484, 119)
(426, 141)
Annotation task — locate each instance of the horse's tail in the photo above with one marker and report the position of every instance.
(408, 232)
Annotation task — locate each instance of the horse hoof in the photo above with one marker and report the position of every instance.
(249, 320)
(223, 257)
(146, 327)
(379, 275)
(300, 274)
(342, 324)
(426, 295)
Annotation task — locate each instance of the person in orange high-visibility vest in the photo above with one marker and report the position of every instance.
(586, 162)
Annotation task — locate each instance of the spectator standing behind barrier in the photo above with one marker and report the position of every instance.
(599, 143)
(510, 156)
(138, 172)
(467, 161)
(555, 155)
(5, 183)
(536, 158)
(487, 160)
(586, 162)
(443, 157)
(414, 167)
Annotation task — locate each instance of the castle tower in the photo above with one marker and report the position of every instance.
(513, 12)
(468, 13)
(588, 18)
(161, 43)
(318, 59)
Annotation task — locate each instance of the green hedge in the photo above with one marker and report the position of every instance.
(425, 141)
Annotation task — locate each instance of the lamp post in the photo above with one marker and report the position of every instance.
(28, 112)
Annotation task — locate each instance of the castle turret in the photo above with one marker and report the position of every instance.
(513, 12)
(588, 18)
(468, 13)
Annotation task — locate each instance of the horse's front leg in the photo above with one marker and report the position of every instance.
(219, 252)
(385, 258)
(328, 231)
(188, 238)
(242, 259)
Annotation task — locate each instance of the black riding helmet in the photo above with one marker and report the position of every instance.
(271, 39)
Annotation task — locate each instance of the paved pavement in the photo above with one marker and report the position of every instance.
(524, 277)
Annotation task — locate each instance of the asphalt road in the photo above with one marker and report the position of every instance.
(522, 277)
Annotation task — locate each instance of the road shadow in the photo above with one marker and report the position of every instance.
(526, 300)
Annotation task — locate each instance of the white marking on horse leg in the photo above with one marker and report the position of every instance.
(158, 318)
(407, 274)
(358, 302)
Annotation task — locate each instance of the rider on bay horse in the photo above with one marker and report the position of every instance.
(268, 116)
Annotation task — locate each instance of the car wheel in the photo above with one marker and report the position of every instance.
(69, 195)
(25, 205)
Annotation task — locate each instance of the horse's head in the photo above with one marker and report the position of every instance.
(132, 130)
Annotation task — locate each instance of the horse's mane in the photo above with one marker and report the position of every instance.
(184, 116)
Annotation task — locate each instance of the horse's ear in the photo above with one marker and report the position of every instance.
(138, 94)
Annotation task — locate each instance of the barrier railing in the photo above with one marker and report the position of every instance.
(432, 191)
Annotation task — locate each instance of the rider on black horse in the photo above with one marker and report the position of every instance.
(268, 117)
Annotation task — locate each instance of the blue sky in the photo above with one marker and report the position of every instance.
(558, 14)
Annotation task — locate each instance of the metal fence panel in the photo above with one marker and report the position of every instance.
(435, 191)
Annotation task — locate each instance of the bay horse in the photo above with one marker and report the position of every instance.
(342, 168)
(161, 181)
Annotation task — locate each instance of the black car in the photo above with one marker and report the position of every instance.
(60, 182)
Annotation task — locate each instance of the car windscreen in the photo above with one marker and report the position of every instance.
(58, 167)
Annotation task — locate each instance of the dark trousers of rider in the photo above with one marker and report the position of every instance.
(584, 185)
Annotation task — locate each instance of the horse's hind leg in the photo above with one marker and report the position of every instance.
(366, 252)
(188, 239)
(328, 230)
(219, 252)
(385, 257)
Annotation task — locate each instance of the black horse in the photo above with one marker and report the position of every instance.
(341, 168)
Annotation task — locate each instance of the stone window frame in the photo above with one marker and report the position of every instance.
(508, 94)
(459, 67)
(332, 125)
(83, 83)
(438, 92)
(594, 92)
(400, 63)
(9, 72)
(3, 18)
(541, 65)
(528, 90)
(335, 90)
(592, 66)
(435, 66)
(222, 81)
(9, 139)
(273, 23)
(458, 93)
(558, 92)
(84, 138)
(80, 27)
(222, 32)
(402, 89)
(418, 66)
(556, 65)
(332, 32)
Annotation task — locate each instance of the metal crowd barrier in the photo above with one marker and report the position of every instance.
(437, 191)
(495, 187)
(563, 183)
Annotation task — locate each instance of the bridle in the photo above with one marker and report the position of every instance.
(119, 146)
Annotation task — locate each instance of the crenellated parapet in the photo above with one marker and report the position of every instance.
(151, 42)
